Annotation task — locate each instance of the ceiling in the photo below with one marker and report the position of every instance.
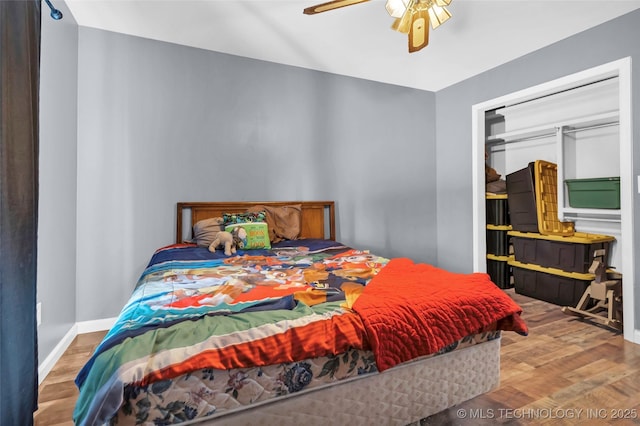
(357, 40)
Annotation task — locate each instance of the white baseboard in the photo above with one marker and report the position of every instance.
(47, 365)
(78, 328)
(95, 325)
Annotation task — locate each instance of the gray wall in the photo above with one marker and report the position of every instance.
(608, 42)
(57, 201)
(160, 123)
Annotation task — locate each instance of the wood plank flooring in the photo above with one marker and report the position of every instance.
(566, 372)
(57, 393)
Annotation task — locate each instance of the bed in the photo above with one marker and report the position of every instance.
(292, 328)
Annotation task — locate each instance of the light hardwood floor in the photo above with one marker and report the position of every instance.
(565, 365)
(57, 393)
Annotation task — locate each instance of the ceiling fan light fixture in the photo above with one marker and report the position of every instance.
(403, 24)
(438, 15)
(396, 8)
(443, 3)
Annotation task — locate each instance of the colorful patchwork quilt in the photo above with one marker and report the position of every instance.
(193, 309)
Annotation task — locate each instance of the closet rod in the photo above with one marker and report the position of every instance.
(566, 130)
(595, 126)
(522, 139)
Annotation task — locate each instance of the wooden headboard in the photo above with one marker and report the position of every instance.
(318, 217)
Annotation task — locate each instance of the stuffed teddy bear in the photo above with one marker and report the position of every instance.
(224, 238)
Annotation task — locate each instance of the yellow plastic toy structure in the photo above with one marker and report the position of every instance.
(607, 295)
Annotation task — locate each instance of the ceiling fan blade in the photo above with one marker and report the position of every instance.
(419, 31)
(324, 7)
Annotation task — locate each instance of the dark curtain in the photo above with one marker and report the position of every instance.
(19, 81)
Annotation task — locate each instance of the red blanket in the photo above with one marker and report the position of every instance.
(413, 309)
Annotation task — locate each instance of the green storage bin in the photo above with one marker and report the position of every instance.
(596, 193)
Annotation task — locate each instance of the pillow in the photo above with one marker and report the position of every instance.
(284, 221)
(254, 216)
(205, 231)
(254, 235)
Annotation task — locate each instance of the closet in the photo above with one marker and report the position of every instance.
(578, 129)
(581, 123)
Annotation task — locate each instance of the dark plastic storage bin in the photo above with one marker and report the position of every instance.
(564, 289)
(523, 213)
(498, 239)
(499, 270)
(533, 200)
(569, 254)
(597, 193)
(497, 209)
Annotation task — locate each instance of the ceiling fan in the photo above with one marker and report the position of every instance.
(412, 16)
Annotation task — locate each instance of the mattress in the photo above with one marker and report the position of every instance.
(399, 396)
(212, 393)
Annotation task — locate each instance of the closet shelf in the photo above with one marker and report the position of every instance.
(493, 117)
(600, 215)
(547, 130)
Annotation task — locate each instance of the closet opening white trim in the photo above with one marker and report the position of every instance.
(619, 70)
